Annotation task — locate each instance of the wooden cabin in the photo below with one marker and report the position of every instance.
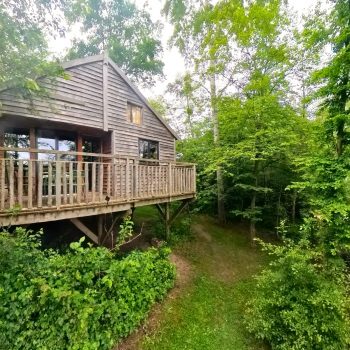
(92, 146)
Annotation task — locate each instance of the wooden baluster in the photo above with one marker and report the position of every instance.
(79, 182)
(86, 181)
(152, 181)
(40, 184)
(20, 183)
(11, 176)
(170, 180)
(71, 183)
(2, 183)
(100, 183)
(109, 168)
(93, 180)
(58, 182)
(159, 172)
(114, 177)
(127, 179)
(64, 181)
(31, 180)
(137, 185)
(49, 197)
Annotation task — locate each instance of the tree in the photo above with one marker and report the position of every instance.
(24, 56)
(326, 180)
(193, 35)
(127, 33)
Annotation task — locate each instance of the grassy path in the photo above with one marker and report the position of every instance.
(205, 309)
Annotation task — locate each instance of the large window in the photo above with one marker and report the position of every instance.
(148, 149)
(134, 113)
(55, 141)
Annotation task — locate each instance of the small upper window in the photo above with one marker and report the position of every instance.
(134, 113)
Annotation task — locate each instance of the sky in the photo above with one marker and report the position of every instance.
(174, 63)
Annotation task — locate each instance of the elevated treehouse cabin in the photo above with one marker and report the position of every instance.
(94, 146)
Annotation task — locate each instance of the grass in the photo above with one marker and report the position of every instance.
(207, 311)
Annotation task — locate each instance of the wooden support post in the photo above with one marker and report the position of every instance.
(79, 147)
(77, 223)
(100, 228)
(167, 219)
(178, 211)
(161, 211)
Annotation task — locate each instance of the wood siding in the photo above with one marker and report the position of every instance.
(96, 96)
(127, 134)
(77, 100)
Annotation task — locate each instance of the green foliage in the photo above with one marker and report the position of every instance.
(127, 33)
(300, 301)
(126, 229)
(86, 298)
(23, 47)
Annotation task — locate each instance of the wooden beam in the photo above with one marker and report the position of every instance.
(167, 219)
(78, 224)
(79, 147)
(161, 212)
(100, 228)
(178, 211)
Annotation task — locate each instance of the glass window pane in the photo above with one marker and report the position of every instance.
(67, 146)
(148, 149)
(134, 113)
(46, 143)
(17, 139)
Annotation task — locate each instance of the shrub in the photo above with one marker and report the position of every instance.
(300, 301)
(86, 298)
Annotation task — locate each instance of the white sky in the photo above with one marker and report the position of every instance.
(174, 64)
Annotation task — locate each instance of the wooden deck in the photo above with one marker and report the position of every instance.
(39, 186)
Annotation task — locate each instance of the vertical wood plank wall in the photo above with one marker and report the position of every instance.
(127, 134)
(77, 100)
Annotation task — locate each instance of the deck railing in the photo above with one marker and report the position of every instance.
(31, 178)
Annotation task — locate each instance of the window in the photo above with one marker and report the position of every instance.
(134, 113)
(148, 149)
(54, 141)
(17, 138)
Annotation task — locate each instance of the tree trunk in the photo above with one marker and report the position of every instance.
(219, 173)
(252, 220)
(253, 205)
(294, 201)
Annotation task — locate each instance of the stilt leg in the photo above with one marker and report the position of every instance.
(100, 228)
(167, 220)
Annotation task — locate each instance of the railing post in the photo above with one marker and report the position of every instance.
(136, 179)
(2, 183)
(194, 179)
(58, 181)
(127, 180)
(170, 180)
(31, 181)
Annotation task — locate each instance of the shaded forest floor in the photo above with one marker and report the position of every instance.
(205, 309)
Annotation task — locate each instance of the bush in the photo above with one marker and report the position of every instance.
(300, 301)
(85, 299)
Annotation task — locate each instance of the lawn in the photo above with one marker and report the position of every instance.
(205, 309)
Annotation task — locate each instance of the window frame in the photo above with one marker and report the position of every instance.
(149, 141)
(129, 116)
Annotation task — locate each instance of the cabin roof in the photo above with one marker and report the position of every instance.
(106, 59)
